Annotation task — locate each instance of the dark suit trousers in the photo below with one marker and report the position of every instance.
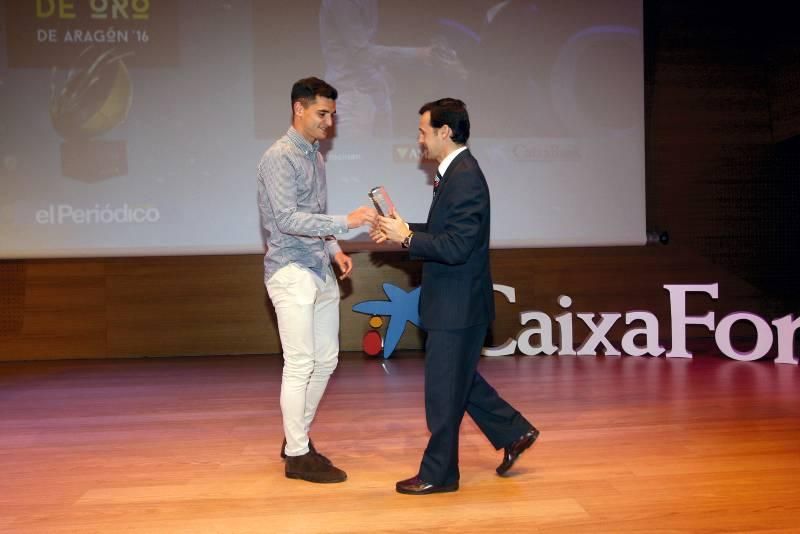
(453, 386)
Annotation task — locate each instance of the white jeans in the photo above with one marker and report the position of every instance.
(308, 324)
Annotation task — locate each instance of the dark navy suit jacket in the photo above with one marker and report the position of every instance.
(454, 246)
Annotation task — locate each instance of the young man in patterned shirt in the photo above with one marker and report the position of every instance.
(292, 196)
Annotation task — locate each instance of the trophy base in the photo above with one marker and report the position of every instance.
(94, 160)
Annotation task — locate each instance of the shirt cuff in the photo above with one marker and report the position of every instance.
(339, 224)
(333, 247)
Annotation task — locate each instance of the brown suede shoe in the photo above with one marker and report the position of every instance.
(310, 448)
(312, 468)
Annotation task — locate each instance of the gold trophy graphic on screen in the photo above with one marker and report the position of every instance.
(94, 98)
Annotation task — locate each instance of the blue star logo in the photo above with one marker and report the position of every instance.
(402, 307)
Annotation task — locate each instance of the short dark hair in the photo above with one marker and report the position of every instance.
(307, 90)
(452, 112)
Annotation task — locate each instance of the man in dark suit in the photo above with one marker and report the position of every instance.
(456, 303)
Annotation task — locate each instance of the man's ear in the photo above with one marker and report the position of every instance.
(446, 132)
(298, 108)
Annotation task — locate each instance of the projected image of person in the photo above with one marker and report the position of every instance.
(357, 65)
(506, 48)
(456, 303)
(292, 198)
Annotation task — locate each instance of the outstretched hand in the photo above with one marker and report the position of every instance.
(361, 216)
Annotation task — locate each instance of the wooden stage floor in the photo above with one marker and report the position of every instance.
(191, 445)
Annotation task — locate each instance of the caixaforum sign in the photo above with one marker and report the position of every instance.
(543, 335)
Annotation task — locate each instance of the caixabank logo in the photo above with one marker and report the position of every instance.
(401, 308)
(542, 334)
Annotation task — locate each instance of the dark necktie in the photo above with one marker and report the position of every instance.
(436, 181)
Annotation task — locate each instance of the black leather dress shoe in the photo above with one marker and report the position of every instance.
(417, 486)
(512, 451)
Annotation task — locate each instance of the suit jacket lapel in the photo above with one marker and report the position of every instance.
(443, 182)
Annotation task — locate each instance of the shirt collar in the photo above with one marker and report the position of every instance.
(449, 159)
(301, 142)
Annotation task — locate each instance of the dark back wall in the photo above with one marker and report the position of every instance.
(722, 142)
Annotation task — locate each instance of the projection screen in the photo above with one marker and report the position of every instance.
(134, 127)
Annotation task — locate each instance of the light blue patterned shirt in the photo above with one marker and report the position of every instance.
(292, 198)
